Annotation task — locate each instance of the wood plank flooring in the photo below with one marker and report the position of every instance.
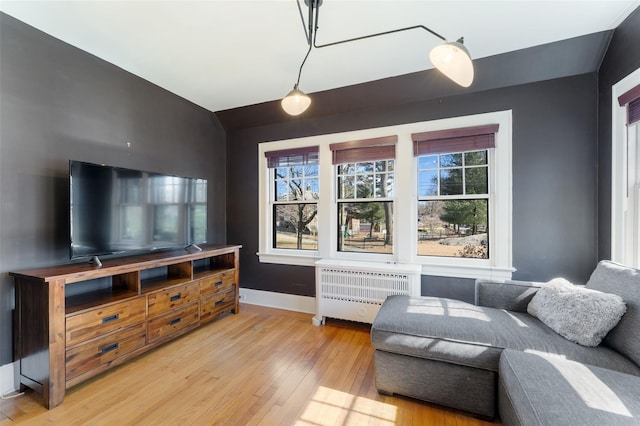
(262, 366)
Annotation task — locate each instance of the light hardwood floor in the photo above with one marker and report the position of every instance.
(262, 366)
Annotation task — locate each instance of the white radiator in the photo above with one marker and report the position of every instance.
(354, 290)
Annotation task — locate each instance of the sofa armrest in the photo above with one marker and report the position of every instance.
(511, 295)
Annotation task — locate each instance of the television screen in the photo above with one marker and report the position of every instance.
(118, 210)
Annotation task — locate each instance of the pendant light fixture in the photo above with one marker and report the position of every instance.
(296, 102)
(454, 61)
(450, 58)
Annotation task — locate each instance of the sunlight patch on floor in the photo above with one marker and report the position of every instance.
(332, 407)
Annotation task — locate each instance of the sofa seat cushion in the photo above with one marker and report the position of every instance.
(474, 336)
(536, 389)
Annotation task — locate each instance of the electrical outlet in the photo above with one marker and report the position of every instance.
(242, 297)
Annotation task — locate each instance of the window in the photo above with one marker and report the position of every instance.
(294, 198)
(453, 191)
(364, 177)
(625, 182)
(380, 195)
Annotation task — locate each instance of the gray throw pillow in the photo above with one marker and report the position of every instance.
(578, 314)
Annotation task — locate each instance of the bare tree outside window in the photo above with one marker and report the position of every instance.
(296, 191)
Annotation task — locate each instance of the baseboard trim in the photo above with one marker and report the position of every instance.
(8, 382)
(289, 302)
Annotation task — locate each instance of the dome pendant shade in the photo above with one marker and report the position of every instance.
(454, 61)
(296, 102)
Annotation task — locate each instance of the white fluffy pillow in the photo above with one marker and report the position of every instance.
(578, 314)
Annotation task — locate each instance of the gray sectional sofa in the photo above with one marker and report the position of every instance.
(493, 355)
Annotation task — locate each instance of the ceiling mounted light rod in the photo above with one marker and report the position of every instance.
(451, 58)
(310, 19)
(379, 34)
(317, 15)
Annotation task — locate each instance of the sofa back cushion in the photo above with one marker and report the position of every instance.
(610, 277)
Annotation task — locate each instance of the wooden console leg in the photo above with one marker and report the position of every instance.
(55, 388)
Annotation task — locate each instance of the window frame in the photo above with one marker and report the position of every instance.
(355, 152)
(624, 246)
(274, 202)
(405, 199)
(490, 164)
(356, 199)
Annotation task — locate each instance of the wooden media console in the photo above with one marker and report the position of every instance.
(75, 321)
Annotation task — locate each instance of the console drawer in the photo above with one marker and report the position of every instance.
(164, 300)
(215, 305)
(104, 319)
(172, 322)
(103, 350)
(218, 282)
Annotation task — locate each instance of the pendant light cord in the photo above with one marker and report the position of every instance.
(302, 65)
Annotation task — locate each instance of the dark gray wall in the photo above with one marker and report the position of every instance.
(59, 103)
(621, 59)
(554, 177)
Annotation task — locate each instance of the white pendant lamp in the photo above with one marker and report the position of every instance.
(296, 102)
(453, 60)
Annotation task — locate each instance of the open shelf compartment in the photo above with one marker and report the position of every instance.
(91, 293)
(211, 265)
(165, 276)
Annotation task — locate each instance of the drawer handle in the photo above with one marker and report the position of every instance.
(111, 347)
(218, 283)
(175, 321)
(110, 318)
(219, 302)
(176, 297)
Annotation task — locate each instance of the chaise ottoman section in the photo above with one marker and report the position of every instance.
(536, 389)
(465, 388)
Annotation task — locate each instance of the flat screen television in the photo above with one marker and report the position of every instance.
(114, 210)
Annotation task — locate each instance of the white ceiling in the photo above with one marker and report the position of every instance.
(226, 54)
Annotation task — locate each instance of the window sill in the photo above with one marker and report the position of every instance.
(288, 259)
(468, 271)
(456, 271)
